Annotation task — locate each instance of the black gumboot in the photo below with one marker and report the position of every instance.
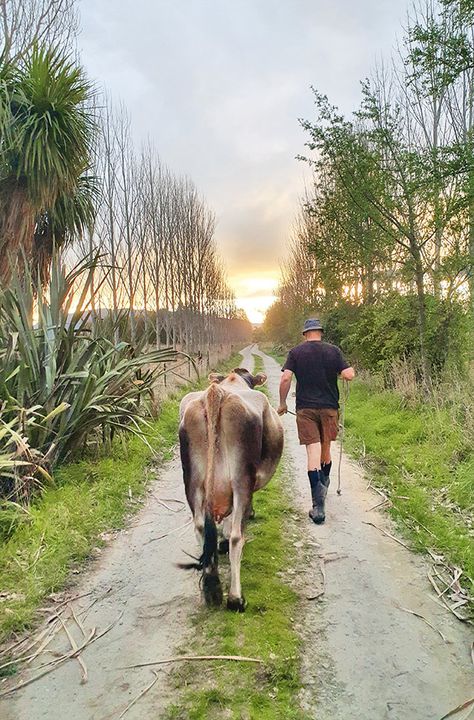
(319, 489)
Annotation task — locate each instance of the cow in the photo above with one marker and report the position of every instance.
(231, 441)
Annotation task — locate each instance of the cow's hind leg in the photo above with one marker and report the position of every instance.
(226, 530)
(211, 584)
(235, 600)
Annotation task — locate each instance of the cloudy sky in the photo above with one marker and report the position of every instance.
(219, 86)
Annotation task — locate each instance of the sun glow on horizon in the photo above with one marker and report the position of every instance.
(255, 293)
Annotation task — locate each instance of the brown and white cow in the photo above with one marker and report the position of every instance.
(231, 441)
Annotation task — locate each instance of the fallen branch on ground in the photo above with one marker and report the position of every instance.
(164, 503)
(160, 537)
(380, 504)
(49, 667)
(328, 558)
(458, 709)
(418, 615)
(384, 532)
(186, 658)
(74, 646)
(51, 619)
(143, 692)
(452, 585)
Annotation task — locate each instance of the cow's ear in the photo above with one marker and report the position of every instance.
(259, 379)
(216, 377)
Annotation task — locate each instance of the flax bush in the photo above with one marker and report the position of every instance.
(63, 387)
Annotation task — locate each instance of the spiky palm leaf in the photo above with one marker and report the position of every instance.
(60, 385)
(57, 226)
(45, 148)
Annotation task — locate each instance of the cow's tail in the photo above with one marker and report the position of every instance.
(213, 401)
(208, 561)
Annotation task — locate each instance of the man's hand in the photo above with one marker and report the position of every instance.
(285, 384)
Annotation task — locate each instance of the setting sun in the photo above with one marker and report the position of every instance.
(255, 294)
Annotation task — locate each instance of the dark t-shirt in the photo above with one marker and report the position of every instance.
(316, 365)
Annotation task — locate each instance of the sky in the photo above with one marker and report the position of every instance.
(219, 86)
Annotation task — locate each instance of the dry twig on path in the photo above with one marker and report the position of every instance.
(51, 619)
(186, 658)
(379, 504)
(418, 615)
(166, 500)
(140, 695)
(384, 532)
(49, 667)
(74, 646)
(458, 709)
(160, 537)
(438, 579)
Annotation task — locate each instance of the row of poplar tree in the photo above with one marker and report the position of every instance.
(71, 180)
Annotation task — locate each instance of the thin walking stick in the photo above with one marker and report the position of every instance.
(345, 395)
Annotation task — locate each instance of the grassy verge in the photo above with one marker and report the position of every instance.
(61, 528)
(239, 690)
(418, 455)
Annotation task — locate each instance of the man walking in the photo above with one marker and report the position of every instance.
(316, 365)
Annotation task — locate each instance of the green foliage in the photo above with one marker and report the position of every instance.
(374, 336)
(47, 137)
(62, 386)
(51, 133)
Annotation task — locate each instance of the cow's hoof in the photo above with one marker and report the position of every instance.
(224, 547)
(212, 590)
(317, 515)
(236, 604)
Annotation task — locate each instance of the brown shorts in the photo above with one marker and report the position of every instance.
(317, 425)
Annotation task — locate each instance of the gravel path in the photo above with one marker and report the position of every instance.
(364, 657)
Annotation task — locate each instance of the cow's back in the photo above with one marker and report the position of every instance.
(222, 434)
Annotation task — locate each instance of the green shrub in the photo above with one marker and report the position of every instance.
(374, 336)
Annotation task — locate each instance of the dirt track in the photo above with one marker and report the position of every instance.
(365, 657)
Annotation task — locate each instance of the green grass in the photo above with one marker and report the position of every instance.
(238, 690)
(418, 453)
(62, 526)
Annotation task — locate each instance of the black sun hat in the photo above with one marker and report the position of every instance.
(312, 324)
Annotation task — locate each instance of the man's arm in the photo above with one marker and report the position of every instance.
(285, 384)
(348, 373)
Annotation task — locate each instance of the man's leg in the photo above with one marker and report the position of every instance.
(318, 481)
(326, 457)
(309, 433)
(314, 455)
